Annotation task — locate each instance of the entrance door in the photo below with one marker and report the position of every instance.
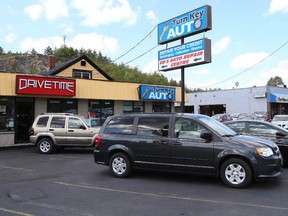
(24, 116)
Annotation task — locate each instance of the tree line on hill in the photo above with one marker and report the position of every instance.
(118, 72)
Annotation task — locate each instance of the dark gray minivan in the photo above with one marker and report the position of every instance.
(186, 143)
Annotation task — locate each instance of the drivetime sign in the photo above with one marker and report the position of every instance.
(191, 23)
(189, 54)
(33, 85)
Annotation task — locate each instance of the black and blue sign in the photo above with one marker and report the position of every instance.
(191, 23)
(158, 93)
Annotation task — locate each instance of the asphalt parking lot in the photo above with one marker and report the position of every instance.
(70, 183)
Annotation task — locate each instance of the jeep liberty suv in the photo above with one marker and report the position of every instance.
(52, 130)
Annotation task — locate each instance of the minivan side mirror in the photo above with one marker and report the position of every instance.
(206, 135)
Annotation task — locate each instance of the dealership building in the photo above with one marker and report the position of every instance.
(273, 100)
(78, 86)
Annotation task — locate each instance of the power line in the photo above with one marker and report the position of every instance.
(141, 55)
(136, 44)
(249, 67)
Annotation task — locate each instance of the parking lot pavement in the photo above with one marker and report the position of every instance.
(70, 183)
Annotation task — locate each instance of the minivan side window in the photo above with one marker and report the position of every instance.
(188, 129)
(153, 126)
(120, 125)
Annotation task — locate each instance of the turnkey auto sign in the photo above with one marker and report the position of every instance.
(193, 22)
(45, 86)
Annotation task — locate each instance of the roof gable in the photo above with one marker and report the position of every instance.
(59, 69)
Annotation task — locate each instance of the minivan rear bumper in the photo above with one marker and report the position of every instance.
(99, 158)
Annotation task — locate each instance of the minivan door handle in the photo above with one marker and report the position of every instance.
(161, 142)
(177, 144)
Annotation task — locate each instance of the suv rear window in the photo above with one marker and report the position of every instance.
(42, 121)
(153, 126)
(120, 125)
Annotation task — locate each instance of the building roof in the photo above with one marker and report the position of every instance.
(54, 71)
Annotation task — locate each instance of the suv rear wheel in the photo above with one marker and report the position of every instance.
(236, 173)
(45, 146)
(120, 165)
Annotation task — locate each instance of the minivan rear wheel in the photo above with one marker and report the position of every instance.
(45, 146)
(120, 165)
(236, 173)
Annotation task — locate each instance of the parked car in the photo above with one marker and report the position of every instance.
(52, 130)
(265, 130)
(262, 116)
(237, 116)
(281, 120)
(222, 117)
(187, 143)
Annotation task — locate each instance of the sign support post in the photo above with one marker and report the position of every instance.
(182, 85)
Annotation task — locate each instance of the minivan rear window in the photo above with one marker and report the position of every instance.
(120, 125)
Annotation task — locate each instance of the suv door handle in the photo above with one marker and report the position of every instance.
(51, 129)
(70, 130)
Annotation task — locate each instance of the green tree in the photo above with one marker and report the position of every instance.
(275, 81)
(48, 51)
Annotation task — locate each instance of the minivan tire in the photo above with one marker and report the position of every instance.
(120, 165)
(236, 173)
(45, 146)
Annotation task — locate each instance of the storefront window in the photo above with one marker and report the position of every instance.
(133, 106)
(161, 107)
(6, 114)
(62, 106)
(99, 110)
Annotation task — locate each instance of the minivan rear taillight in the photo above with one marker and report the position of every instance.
(97, 141)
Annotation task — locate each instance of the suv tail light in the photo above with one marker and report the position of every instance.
(97, 141)
(31, 131)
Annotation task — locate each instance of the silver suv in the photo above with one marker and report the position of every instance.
(53, 130)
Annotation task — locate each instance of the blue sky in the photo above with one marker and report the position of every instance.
(249, 38)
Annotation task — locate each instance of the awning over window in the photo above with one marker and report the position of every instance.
(278, 98)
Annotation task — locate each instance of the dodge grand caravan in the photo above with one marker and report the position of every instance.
(187, 143)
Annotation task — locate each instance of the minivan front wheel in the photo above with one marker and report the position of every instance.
(236, 173)
(45, 146)
(120, 165)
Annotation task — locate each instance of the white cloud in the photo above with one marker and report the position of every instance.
(55, 9)
(9, 38)
(221, 45)
(51, 9)
(104, 12)
(151, 67)
(105, 44)
(278, 6)
(247, 60)
(280, 70)
(34, 11)
(40, 44)
(150, 15)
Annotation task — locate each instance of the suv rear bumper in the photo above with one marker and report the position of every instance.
(99, 157)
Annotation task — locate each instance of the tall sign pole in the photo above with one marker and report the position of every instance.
(182, 85)
(189, 54)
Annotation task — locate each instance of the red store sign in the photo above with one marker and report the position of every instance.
(33, 85)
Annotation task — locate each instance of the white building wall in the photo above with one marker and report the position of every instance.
(234, 100)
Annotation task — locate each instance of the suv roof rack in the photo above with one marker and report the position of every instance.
(58, 114)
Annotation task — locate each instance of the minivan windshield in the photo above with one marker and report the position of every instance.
(220, 128)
